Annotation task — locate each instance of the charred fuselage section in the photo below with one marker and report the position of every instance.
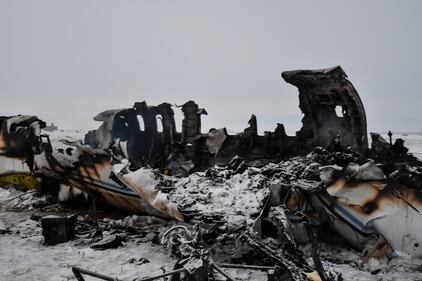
(331, 106)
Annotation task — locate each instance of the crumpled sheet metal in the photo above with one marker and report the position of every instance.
(372, 206)
(18, 134)
(10, 165)
(103, 133)
(15, 151)
(215, 140)
(34, 123)
(77, 166)
(143, 182)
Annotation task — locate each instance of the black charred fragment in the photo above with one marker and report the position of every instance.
(58, 229)
(370, 207)
(18, 135)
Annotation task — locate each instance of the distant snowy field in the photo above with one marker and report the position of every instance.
(412, 141)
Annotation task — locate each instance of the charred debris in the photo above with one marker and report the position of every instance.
(248, 200)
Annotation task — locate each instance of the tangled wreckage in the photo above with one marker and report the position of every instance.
(245, 188)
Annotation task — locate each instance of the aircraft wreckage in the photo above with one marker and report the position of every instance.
(326, 173)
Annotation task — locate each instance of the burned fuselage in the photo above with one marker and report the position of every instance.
(130, 163)
(320, 92)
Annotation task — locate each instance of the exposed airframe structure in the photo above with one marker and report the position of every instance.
(114, 163)
(320, 92)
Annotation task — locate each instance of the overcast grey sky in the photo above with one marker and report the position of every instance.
(65, 61)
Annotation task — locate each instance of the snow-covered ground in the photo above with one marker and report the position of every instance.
(66, 134)
(24, 257)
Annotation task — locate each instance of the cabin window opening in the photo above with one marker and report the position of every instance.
(159, 123)
(339, 111)
(141, 122)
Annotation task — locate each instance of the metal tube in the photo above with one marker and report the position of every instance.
(245, 266)
(77, 271)
(164, 274)
(315, 253)
(222, 272)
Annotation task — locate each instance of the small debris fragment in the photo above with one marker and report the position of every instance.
(109, 242)
(57, 229)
